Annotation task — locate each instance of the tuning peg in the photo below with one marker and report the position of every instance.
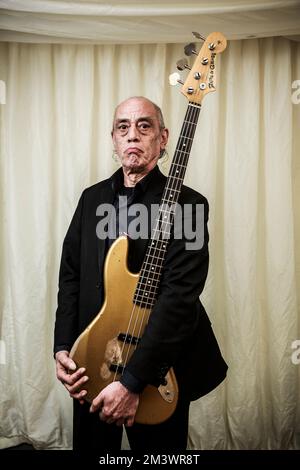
(174, 79)
(190, 49)
(198, 36)
(183, 64)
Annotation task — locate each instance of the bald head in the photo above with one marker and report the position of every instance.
(156, 109)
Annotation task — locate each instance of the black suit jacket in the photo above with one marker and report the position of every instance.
(178, 333)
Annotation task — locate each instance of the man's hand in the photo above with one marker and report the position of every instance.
(116, 404)
(72, 381)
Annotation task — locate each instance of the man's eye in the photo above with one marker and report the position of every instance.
(144, 125)
(122, 127)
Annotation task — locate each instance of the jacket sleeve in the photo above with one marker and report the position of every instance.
(174, 316)
(66, 324)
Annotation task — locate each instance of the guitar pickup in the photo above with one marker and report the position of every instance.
(128, 339)
(117, 368)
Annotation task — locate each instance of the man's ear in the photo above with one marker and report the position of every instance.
(165, 137)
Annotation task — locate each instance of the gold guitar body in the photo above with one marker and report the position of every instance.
(100, 350)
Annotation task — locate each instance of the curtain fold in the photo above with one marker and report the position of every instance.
(55, 141)
(121, 22)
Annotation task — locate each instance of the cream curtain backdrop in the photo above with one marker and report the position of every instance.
(55, 141)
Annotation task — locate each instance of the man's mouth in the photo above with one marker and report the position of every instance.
(134, 150)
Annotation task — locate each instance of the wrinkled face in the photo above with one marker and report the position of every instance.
(137, 137)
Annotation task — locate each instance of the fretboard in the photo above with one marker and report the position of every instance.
(150, 275)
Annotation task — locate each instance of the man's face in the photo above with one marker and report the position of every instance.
(137, 136)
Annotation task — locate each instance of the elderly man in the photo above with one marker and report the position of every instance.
(178, 333)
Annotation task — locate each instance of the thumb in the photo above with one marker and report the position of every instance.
(66, 361)
(71, 365)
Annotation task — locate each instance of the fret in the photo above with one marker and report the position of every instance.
(157, 258)
(163, 225)
(161, 222)
(143, 288)
(190, 122)
(186, 137)
(195, 105)
(143, 305)
(182, 154)
(183, 151)
(151, 267)
(177, 169)
(147, 287)
(179, 178)
(170, 199)
(149, 276)
(176, 178)
(163, 219)
(164, 236)
(153, 249)
(179, 164)
(151, 283)
(171, 190)
(159, 232)
(144, 298)
(165, 214)
(154, 243)
(175, 190)
(160, 249)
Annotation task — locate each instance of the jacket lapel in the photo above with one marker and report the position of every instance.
(106, 195)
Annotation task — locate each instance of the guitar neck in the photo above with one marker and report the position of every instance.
(150, 275)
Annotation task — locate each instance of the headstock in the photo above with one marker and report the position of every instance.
(202, 76)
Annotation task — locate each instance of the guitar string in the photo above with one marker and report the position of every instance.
(148, 302)
(196, 113)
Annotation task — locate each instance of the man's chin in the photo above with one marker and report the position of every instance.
(133, 164)
(134, 167)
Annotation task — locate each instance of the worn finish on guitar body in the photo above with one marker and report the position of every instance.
(100, 339)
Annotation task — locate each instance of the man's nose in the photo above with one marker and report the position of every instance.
(133, 134)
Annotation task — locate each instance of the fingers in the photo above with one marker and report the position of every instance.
(119, 421)
(129, 421)
(79, 395)
(76, 391)
(70, 379)
(107, 418)
(126, 421)
(75, 382)
(97, 403)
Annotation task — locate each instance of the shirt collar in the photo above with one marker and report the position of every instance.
(117, 180)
